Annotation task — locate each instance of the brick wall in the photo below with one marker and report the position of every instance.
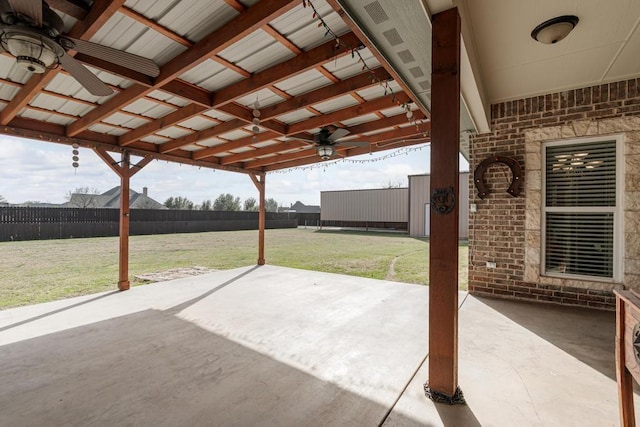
(506, 230)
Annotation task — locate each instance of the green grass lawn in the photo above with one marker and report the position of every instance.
(46, 270)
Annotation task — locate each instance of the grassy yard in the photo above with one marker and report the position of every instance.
(46, 270)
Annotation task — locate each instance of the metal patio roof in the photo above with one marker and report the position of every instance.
(217, 58)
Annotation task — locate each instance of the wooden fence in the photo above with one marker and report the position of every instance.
(35, 223)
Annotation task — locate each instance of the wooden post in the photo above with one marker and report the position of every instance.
(123, 275)
(259, 182)
(443, 235)
(125, 171)
(624, 376)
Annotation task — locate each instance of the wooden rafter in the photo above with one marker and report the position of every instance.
(313, 158)
(247, 22)
(248, 153)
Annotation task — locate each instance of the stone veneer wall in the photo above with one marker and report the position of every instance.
(506, 230)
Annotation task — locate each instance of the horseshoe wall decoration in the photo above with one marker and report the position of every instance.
(516, 173)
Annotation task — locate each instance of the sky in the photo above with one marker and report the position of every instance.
(40, 171)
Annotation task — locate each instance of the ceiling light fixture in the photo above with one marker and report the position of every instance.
(555, 29)
(32, 51)
(325, 151)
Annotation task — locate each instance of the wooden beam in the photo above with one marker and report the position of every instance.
(299, 64)
(211, 132)
(170, 119)
(348, 113)
(443, 236)
(108, 108)
(311, 157)
(109, 161)
(282, 39)
(235, 144)
(75, 8)
(100, 12)
(239, 27)
(325, 93)
(247, 22)
(188, 91)
(52, 132)
(263, 151)
(155, 26)
(259, 182)
(399, 119)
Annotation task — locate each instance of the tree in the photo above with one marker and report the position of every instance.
(393, 184)
(250, 204)
(271, 205)
(3, 201)
(206, 205)
(83, 197)
(226, 202)
(179, 203)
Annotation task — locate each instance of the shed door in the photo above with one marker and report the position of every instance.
(427, 217)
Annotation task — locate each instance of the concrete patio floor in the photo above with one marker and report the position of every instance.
(275, 346)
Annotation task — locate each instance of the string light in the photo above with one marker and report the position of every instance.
(324, 165)
(355, 54)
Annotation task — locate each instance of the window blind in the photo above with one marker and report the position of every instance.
(580, 204)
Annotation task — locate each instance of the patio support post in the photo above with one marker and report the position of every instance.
(259, 182)
(442, 385)
(125, 171)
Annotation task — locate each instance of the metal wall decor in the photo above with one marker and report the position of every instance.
(516, 173)
(443, 200)
(636, 342)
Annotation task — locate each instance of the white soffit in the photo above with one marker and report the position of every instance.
(401, 30)
(602, 48)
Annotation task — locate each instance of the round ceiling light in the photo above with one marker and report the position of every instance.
(555, 29)
(325, 151)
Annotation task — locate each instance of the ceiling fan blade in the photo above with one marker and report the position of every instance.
(303, 137)
(115, 56)
(338, 133)
(353, 144)
(28, 8)
(86, 78)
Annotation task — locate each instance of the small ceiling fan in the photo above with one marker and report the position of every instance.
(32, 33)
(325, 141)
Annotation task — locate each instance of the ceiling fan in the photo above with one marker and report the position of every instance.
(32, 33)
(326, 140)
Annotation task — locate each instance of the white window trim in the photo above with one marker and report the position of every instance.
(618, 210)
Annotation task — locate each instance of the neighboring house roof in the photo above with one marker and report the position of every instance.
(302, 208)
(111, 199)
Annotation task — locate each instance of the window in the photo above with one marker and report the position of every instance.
(581, 209)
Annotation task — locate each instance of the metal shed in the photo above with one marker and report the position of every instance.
(379, 208)
(419, 205)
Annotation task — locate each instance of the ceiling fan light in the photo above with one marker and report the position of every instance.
(555, 29)
(31, 52)
(325, 151)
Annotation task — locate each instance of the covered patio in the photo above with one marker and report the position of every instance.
(255, 87)
(284, 347)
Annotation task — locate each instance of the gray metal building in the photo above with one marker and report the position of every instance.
(397, 208)
(381, 208)
(419, 205)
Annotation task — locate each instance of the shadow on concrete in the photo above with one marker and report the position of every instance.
(178, 308)
(457, 415)
(154, 368)
(586, 334)
(60, 310)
